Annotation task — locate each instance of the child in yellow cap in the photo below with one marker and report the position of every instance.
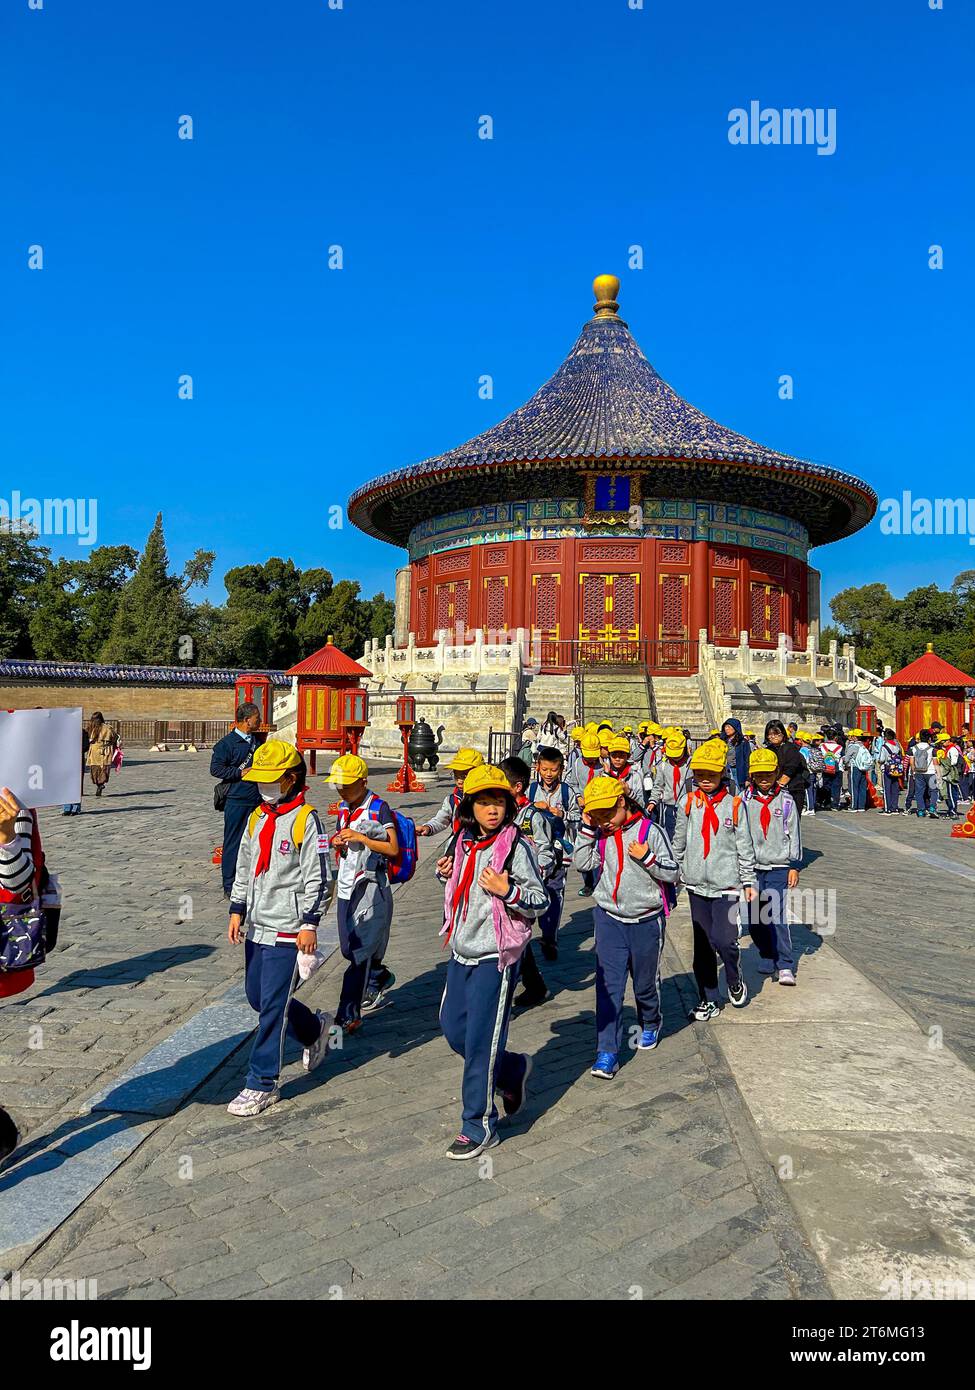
(365, 841)
(625, 771)
(773, 819)
(589, 765)
(633, 858)
(671, 783)
(281, 889)
(493, 893)
(463, 761)
(713, 845)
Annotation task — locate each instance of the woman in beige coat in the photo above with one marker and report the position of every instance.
(101, 750)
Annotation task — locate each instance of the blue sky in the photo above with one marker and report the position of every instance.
(465, 257)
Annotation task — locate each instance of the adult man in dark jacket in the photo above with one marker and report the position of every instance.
(231, 757)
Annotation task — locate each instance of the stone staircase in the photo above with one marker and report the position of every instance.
(541, 693)
(623, 697)
(678, 700)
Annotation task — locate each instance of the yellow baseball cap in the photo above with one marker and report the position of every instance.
(710, 757)
(348, 769)
(763, 760)
(619, 744)
(654, 728)
(465, 759)
(271, 761)
(485, 778)
(675, 746)
(590, 746)
(577, 732)
(601, 793)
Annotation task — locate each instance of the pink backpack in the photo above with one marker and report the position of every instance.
(512, 931)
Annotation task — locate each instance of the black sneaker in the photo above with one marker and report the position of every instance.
(462, 1147)
(739, 996)
(549, 950)
(527, 1000)
(514, 1100)
(9, 1135)
(376, 996)
(704, 1011)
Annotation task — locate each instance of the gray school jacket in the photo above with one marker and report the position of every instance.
(538, 827)
(296, 888)
(661, 792)
(473, 938)
(730, 863)
(444, 819)
(638, 895)
(781, 848)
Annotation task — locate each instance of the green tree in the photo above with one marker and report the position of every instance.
(23, 566)
(265, 605)
(53, 624)
(152, 613)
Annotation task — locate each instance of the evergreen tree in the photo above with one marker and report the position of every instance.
(151, 613)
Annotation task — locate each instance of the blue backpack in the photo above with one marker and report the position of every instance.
(403, 867)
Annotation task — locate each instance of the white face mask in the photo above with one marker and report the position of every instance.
(270, 791)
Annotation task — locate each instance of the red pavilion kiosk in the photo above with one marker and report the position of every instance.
(333, 709)
(929, 690)
(255, 689)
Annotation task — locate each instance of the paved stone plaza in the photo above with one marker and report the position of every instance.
(813, 1144)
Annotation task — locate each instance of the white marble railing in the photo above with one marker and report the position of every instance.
(486, 652)
(783, 662)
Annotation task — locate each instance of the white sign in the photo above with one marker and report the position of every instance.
(40, 755)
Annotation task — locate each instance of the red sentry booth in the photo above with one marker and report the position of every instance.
(333, 709)
(255, 690)
(929, 690)
(865, 717)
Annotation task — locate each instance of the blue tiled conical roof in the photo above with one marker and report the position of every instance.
(606, 402)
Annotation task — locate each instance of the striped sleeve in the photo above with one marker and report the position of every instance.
(16, 861)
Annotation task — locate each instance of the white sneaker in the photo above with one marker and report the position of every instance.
(253, 1102)
(786, 977)
(311, 1056)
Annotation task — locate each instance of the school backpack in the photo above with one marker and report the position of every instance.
(830, 764)
(403, 867)
(922, 758)
(895, 764)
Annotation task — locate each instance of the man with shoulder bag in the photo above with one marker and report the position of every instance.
(231, 757)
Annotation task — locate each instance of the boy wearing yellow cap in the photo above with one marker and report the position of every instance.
(713, 845)
(493, 893)
(281, 889)
(590, 765)
(773, 819)
(671, 783)
(623, 769)
(365, 841)
(463, 761)
(651, 752)
(634, 861)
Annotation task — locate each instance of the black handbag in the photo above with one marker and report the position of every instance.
(220, 793)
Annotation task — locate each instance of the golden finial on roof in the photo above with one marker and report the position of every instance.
(606, 288)
(930, 646)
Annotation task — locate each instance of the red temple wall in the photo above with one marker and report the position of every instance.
(659, 589)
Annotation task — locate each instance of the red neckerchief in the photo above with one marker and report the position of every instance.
(709, 825)
(521, 799)
(618, 841)
(622, 774)
(678, 769)
(765, 815)
(456, 797)
(471, 848)
(266, 840)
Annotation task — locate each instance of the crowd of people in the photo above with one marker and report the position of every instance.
(641, 815)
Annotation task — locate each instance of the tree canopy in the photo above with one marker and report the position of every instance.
(893, 631)
(120, 605)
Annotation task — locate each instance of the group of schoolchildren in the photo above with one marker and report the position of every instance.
(935, 768)
(636, 813)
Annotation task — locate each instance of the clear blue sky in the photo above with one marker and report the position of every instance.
(462, 256)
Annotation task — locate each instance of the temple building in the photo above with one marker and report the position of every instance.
(612, 520)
